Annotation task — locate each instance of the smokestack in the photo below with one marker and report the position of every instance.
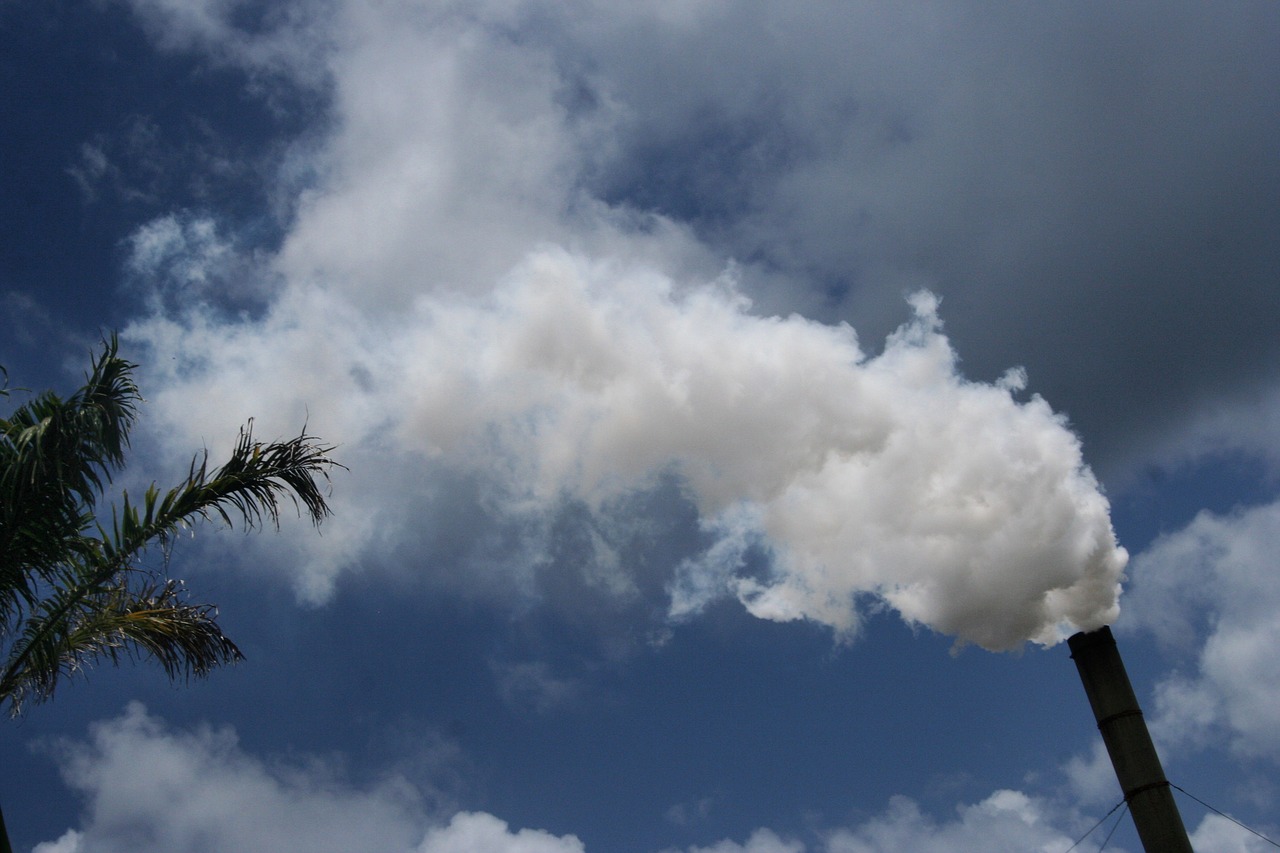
(1128, 742)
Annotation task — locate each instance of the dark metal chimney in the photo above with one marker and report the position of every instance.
(1124, 731)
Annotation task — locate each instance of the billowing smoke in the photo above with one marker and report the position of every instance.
(410, 315)
(964, 509)
(886, 478)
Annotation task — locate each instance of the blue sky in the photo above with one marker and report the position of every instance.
(740, 403)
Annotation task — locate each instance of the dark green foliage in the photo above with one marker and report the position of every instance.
(72, 589)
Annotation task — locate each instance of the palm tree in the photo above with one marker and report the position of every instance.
(73, 589)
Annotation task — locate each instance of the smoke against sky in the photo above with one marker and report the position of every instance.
(634, 324)
(580, 374)
(965, 510)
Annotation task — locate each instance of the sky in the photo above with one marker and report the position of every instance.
(740, 403)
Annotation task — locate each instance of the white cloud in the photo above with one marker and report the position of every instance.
(69, 842)
(1092, 777)
(1210, 594)
(1246, 422)
(1224, 836)
(760, 841)
(183, 257)
(289, 38)
(153, 790)
(451, 154)
(1005, 821)
(1015, 822)
(476, 832)
(149, 789)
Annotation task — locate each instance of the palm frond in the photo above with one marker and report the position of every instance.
(250, 484)
(71, 633)
(73, 445)
(70, 599)
(55, 455)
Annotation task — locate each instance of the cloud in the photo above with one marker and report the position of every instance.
(181, 258)
(149, 788)
(1244, 423)
(760, 841)
(686, 813)
(1225, 836)
(1005, 821)
(1209, 594)
(1092, 777)
(533, 686)
(199, 790)
(283, 41)
(469, 832)
(26, 321)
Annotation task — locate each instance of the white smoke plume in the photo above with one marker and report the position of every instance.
(888, 478)
(411, 314)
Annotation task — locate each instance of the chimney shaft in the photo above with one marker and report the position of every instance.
(1128, 742)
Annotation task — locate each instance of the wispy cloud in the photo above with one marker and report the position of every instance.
(1207, 593)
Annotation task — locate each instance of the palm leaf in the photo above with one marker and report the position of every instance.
(75, 629)
(250, 484)
(55, 456)
(68, 598)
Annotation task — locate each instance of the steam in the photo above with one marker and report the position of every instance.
(867, 479)
(893, 477)
(590, 372)
(888, 478)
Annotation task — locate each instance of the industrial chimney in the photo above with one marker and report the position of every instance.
(1128, 742)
